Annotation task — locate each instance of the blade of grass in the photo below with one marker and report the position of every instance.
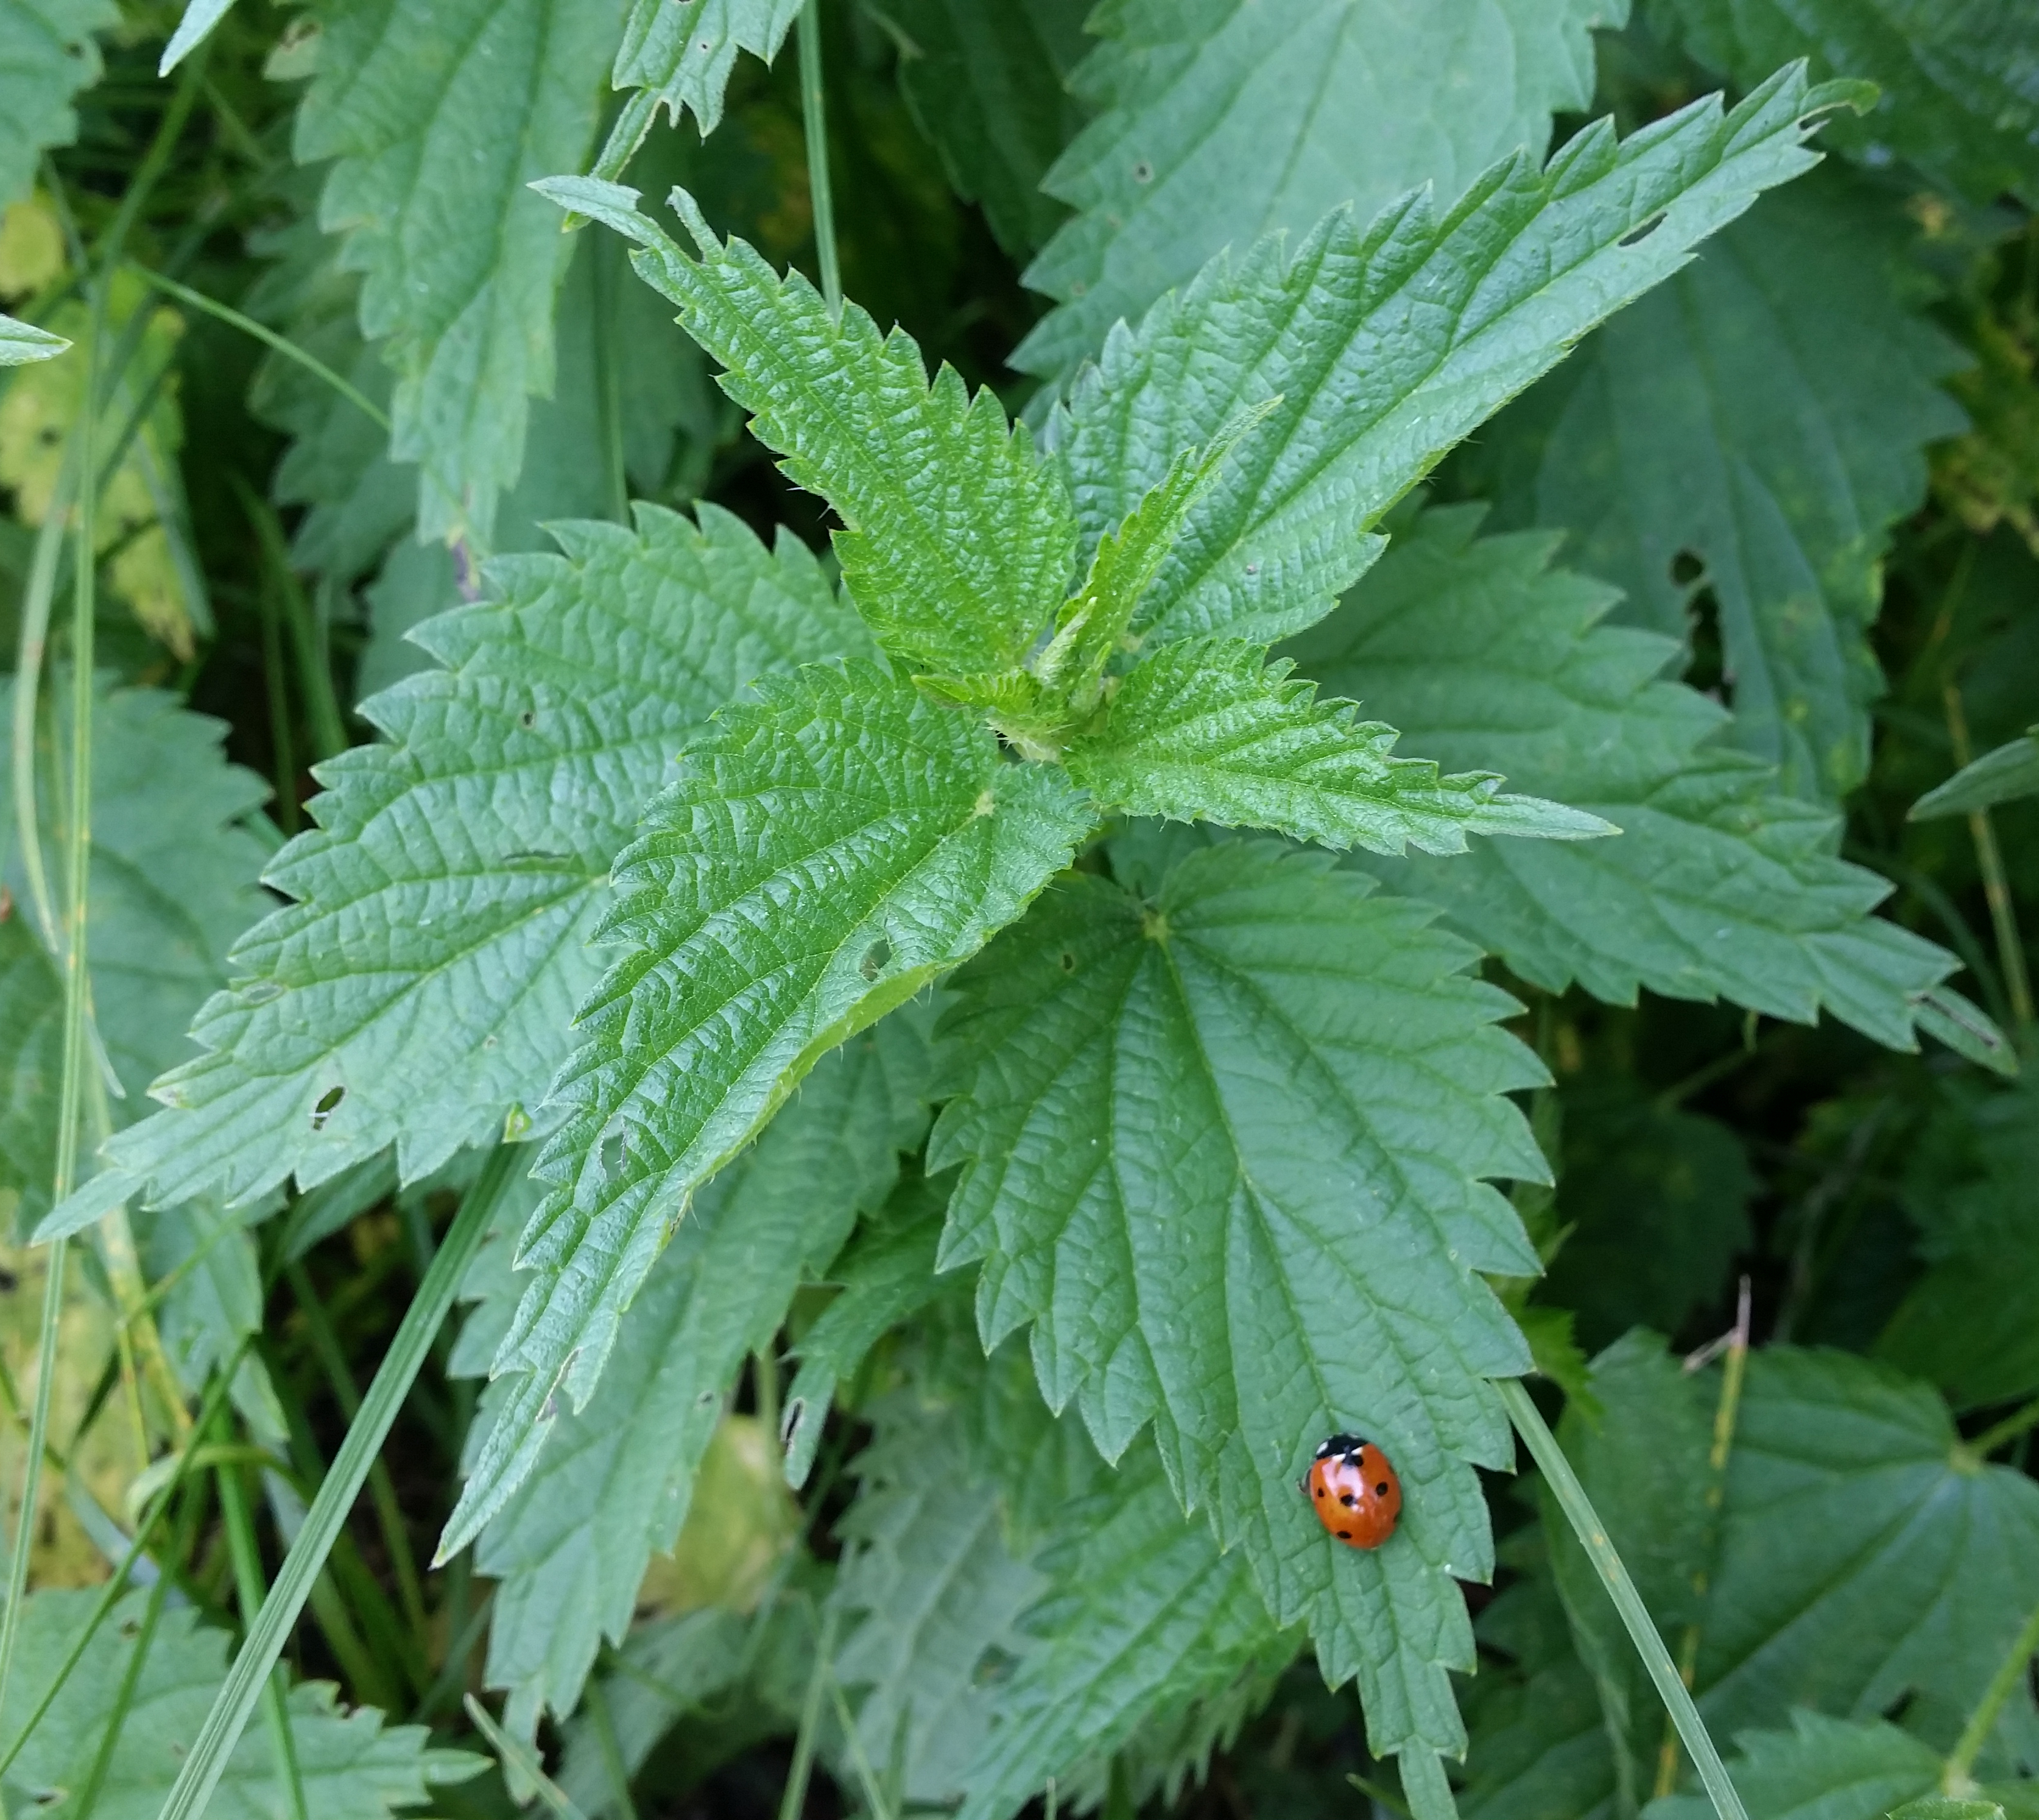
(202, 1769)
(1572, 1500)
(814, 122)
(382, 1490)
(612, 1753)
(1995, 883)
(117, 1584)
(269, 338)
(248, 1587)
(519, 1759)
(793, 1802)
(314, 658)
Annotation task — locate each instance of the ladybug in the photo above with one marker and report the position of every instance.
(1353, 1490)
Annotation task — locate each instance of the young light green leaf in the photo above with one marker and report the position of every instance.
(1389, 345)
(194, 26)
(1957, 98)
(350, 1766)
(1719, 886)
(422, 983)
(958, 540)
(23, 342)
(1746, 438)
(2006, 775)
(1228, 121)
(437, 115)
(47, 54)
(615, 1481)
(1225, 1150)
(1821, 1769)
(828, 850)
(174, 864)
(1206, 730)
(990, 86)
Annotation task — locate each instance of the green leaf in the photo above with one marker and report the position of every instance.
(1206, 730)
(350, 1766)
(1145, 1620)
(428, 972)
(174, 863)
(828, 850)
(194, 25)
(958, 540)
(1957, 94)
(2005, 775)
(1761, 422)
(1719, 885)
(1657, 1198)
(1224, 1149)
(683, 55)
(933, 1588)
(1947, 1807)
(437, 115)
(1829, 1769)
(1970, 1324)
(988, 86)
(47, 54)
(23, 342)
(887, 1274)
(1225, 121)
(614, 1482)
(1388, 345)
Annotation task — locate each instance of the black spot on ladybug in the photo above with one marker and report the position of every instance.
(1320, 1490)
(1380, 1490)
(1345, 1535)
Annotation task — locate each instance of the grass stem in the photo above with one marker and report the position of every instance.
(1572, 1500)
(814, 121)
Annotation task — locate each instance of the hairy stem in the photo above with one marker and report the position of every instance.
(1572, 1500)
(1958, 1777)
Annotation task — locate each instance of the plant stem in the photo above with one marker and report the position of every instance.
(1957, 1779)
(2009, 1429)
(1996, 884)
(202, 1770)
(248, 1585)
(1571, 1496)
(269, 338)
(1725, 1411)
(612, 1753)
(517, 1757)
(815, 122)
(794, 1800)
(314, 654)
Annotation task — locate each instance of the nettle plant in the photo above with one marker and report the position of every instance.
(1019, 930)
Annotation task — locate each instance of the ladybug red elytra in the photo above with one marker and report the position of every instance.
(1353, 1490)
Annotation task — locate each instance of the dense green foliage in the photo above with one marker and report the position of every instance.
(995, 758)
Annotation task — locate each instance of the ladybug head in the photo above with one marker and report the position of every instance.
(1338, 1446)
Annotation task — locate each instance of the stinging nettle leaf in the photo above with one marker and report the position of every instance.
(47, 53)
(428, 972)
(1761, 423)
(1719, 886)
(1388, 344)
(1225, 121)
(1206, 730)
(1224, 1148)
(829, 849)
(616, 1479)
(679, 54)
(1822, 1770)
(958, 539)
(438, 113)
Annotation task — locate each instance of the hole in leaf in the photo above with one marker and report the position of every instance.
(1143, 172)
(1687, 566)
(528, 719)
(8, 1282)
(1635, 236)
(1069, 961)
(876, 958)
(615, 1147)
(790, 1421)
(329, 1104)
(1707, 669)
